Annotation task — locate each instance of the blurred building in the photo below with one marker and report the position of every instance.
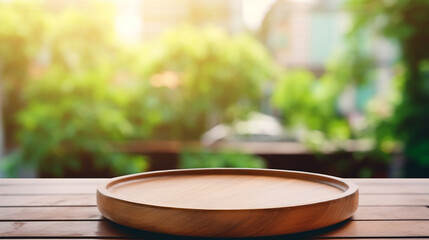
(307, 33)
(303, 33)
(138, 20)
(161, 15)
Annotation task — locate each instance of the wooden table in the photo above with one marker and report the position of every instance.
(66, 209)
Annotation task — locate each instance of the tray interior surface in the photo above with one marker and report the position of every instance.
(225, 191)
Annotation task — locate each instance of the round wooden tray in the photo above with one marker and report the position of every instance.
(227, 202)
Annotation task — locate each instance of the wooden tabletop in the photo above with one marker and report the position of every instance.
(66, 209)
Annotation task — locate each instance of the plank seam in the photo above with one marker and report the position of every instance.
(55, 206)
(90, 194)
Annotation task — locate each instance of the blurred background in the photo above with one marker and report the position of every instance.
(105, 88)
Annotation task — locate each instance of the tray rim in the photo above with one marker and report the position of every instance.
(352, 188)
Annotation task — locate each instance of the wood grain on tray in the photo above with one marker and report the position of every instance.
(227, 202)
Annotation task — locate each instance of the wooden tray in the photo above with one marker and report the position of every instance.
(227, 202)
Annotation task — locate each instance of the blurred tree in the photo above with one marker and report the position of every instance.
(83, 90)
(22, 41)
(78, 98)
(406, 23)
(72, 117)
(313, 109)
(201, 77)
(311, 103)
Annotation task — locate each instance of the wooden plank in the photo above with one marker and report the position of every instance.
(394, 199)
(89, 199)
(97, 181)
(51, 189)
(394, 181)
(369, 229)
(82, 229)
(392, 186)
(51, 181)
(49, 186)
(91, 188)
(92, 213)
(49, 213)
(85, 186)
(394, 189)
(62, 229)
(48, 200)
(392, 213)
(76, 186)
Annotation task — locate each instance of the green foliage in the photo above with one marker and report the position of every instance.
(21, 41)
(200, 77)
(72, 116)
(311, 103)
(404, 22)
(402, 116)
(219, 159)
(397, 20)
(73, 91)
(75, 104)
